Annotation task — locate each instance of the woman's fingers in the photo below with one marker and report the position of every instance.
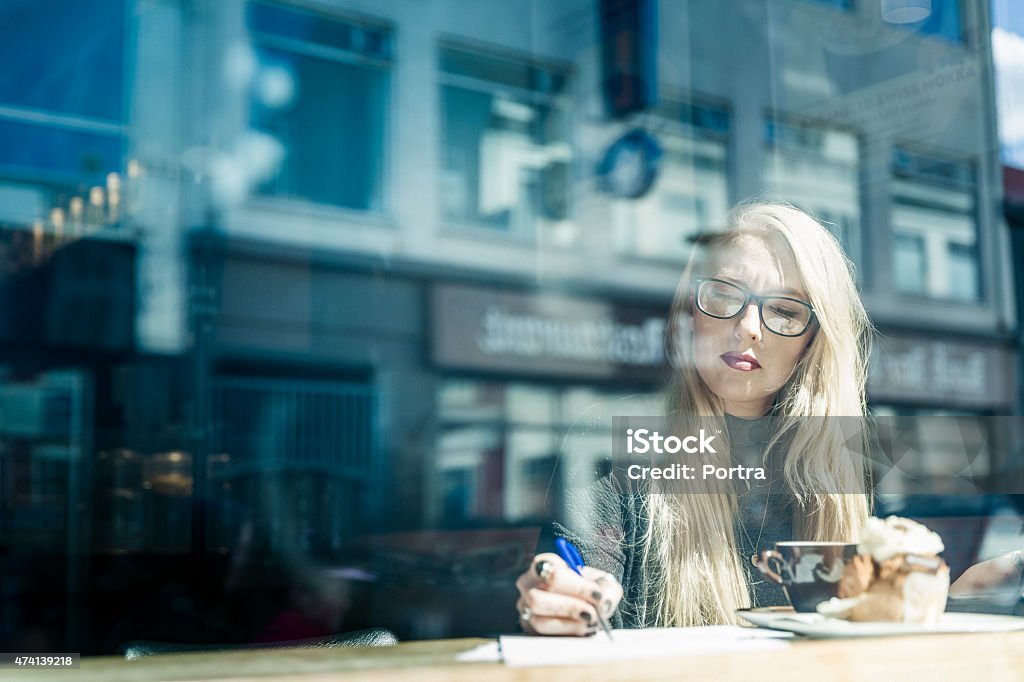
(555, 600)
(610, 589)
(549, 613)
(557, 626)
(554, 605)
(555, 576)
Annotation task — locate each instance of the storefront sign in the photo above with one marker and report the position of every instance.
(952, 374)
(498, 331)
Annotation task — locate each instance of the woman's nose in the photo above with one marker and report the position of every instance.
(748, 324)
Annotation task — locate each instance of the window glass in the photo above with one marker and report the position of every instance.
(818, 169)
(532, 404)
(38, 441)
(38, 72)
(934, 222)
(910, 266)
(499, 71)
(691, 192)
(62, 141)
(505, 146)
(963, 272)
(271, 21)
(334, 127)
(507, 451)
(57, 154)
(235, 410)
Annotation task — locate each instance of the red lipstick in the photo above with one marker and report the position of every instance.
(744, 362)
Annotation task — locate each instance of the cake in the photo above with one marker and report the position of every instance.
(896, 576)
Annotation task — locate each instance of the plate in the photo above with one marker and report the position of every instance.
(817, 625)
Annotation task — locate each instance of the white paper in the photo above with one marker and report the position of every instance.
(648, 643)
(485, 653)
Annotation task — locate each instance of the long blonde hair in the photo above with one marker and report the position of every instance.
(689, 550)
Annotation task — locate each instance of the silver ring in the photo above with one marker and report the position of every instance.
(525, 615)
(544, 570)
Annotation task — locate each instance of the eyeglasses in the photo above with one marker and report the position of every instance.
(780, 314)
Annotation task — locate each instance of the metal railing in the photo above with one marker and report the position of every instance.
(305, 452)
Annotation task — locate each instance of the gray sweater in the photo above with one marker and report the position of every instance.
(607, 524)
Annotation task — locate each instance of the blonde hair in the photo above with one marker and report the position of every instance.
(689, 550)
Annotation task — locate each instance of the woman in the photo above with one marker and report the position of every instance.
(768, 328)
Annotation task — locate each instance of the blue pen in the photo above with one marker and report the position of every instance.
(568, 551)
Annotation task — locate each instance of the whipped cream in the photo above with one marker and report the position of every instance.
(896, 535)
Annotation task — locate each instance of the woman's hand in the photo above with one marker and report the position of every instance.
(990, 576)
(554, 600)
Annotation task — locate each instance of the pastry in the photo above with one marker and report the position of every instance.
(896, 576)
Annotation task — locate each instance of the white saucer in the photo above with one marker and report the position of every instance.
(817, 625)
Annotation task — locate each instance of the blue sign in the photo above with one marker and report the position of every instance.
(631, 164)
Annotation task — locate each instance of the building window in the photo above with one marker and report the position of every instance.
(40, 449)
(66, 58)
(691, 192)
(963, 271)
(910, 263)
(333, 126)
(62, 125)
(506, 451)
(818, 169)
(935, 232)
(505, 145)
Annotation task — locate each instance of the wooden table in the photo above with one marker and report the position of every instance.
(939, 657)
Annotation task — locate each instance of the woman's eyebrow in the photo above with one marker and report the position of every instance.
(796, 293)
(785, 291)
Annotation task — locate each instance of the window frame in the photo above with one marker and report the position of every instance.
(563, 101)
(117, 131)
(970, 187)
(377, 217)
(859, 245)
(664, 118)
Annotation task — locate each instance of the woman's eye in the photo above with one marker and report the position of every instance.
(788, 313)
(727, 297)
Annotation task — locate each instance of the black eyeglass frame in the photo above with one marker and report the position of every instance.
(701, 281)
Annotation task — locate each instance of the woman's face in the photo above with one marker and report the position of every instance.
(738, 358)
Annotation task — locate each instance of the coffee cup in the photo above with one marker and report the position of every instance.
(809, 572)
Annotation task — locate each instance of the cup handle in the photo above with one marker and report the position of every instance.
(761, 561)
